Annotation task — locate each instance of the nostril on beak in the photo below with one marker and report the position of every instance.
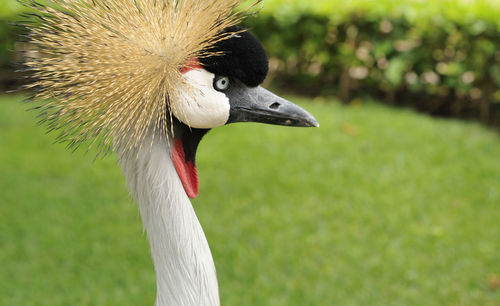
(275, 105)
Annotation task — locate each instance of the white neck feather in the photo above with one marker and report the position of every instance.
(185, 272)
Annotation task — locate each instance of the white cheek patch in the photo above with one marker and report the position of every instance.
(203, 107)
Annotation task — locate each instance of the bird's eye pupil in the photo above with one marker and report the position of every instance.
(221, 83)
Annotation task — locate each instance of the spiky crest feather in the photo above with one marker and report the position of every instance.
(110, 69)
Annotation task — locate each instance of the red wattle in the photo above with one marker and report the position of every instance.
(185, 170)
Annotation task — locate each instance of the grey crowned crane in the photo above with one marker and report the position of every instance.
(150, 79)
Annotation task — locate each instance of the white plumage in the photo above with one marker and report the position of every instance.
(183, 263)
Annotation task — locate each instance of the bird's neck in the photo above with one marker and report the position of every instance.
(185, 272)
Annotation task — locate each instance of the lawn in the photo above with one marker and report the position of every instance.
(376, 207)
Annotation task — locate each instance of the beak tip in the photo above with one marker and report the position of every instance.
(312, 122)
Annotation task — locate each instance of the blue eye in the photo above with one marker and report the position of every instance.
(221, 83)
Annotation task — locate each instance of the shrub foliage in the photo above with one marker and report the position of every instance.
(436, 62)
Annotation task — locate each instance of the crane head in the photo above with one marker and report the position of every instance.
(169, 71)
(226, 89)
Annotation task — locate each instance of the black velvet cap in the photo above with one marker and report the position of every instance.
(243, 57)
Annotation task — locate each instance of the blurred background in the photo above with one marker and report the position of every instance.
(394, 200)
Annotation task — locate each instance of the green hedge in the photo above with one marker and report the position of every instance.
(9, 14)
(438, 62)
(8, 36)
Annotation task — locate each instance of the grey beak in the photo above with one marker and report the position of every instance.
(256, 104)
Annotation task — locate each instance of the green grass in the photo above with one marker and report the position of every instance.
(377, 207)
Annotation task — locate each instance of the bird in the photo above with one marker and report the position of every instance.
(148, 79)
